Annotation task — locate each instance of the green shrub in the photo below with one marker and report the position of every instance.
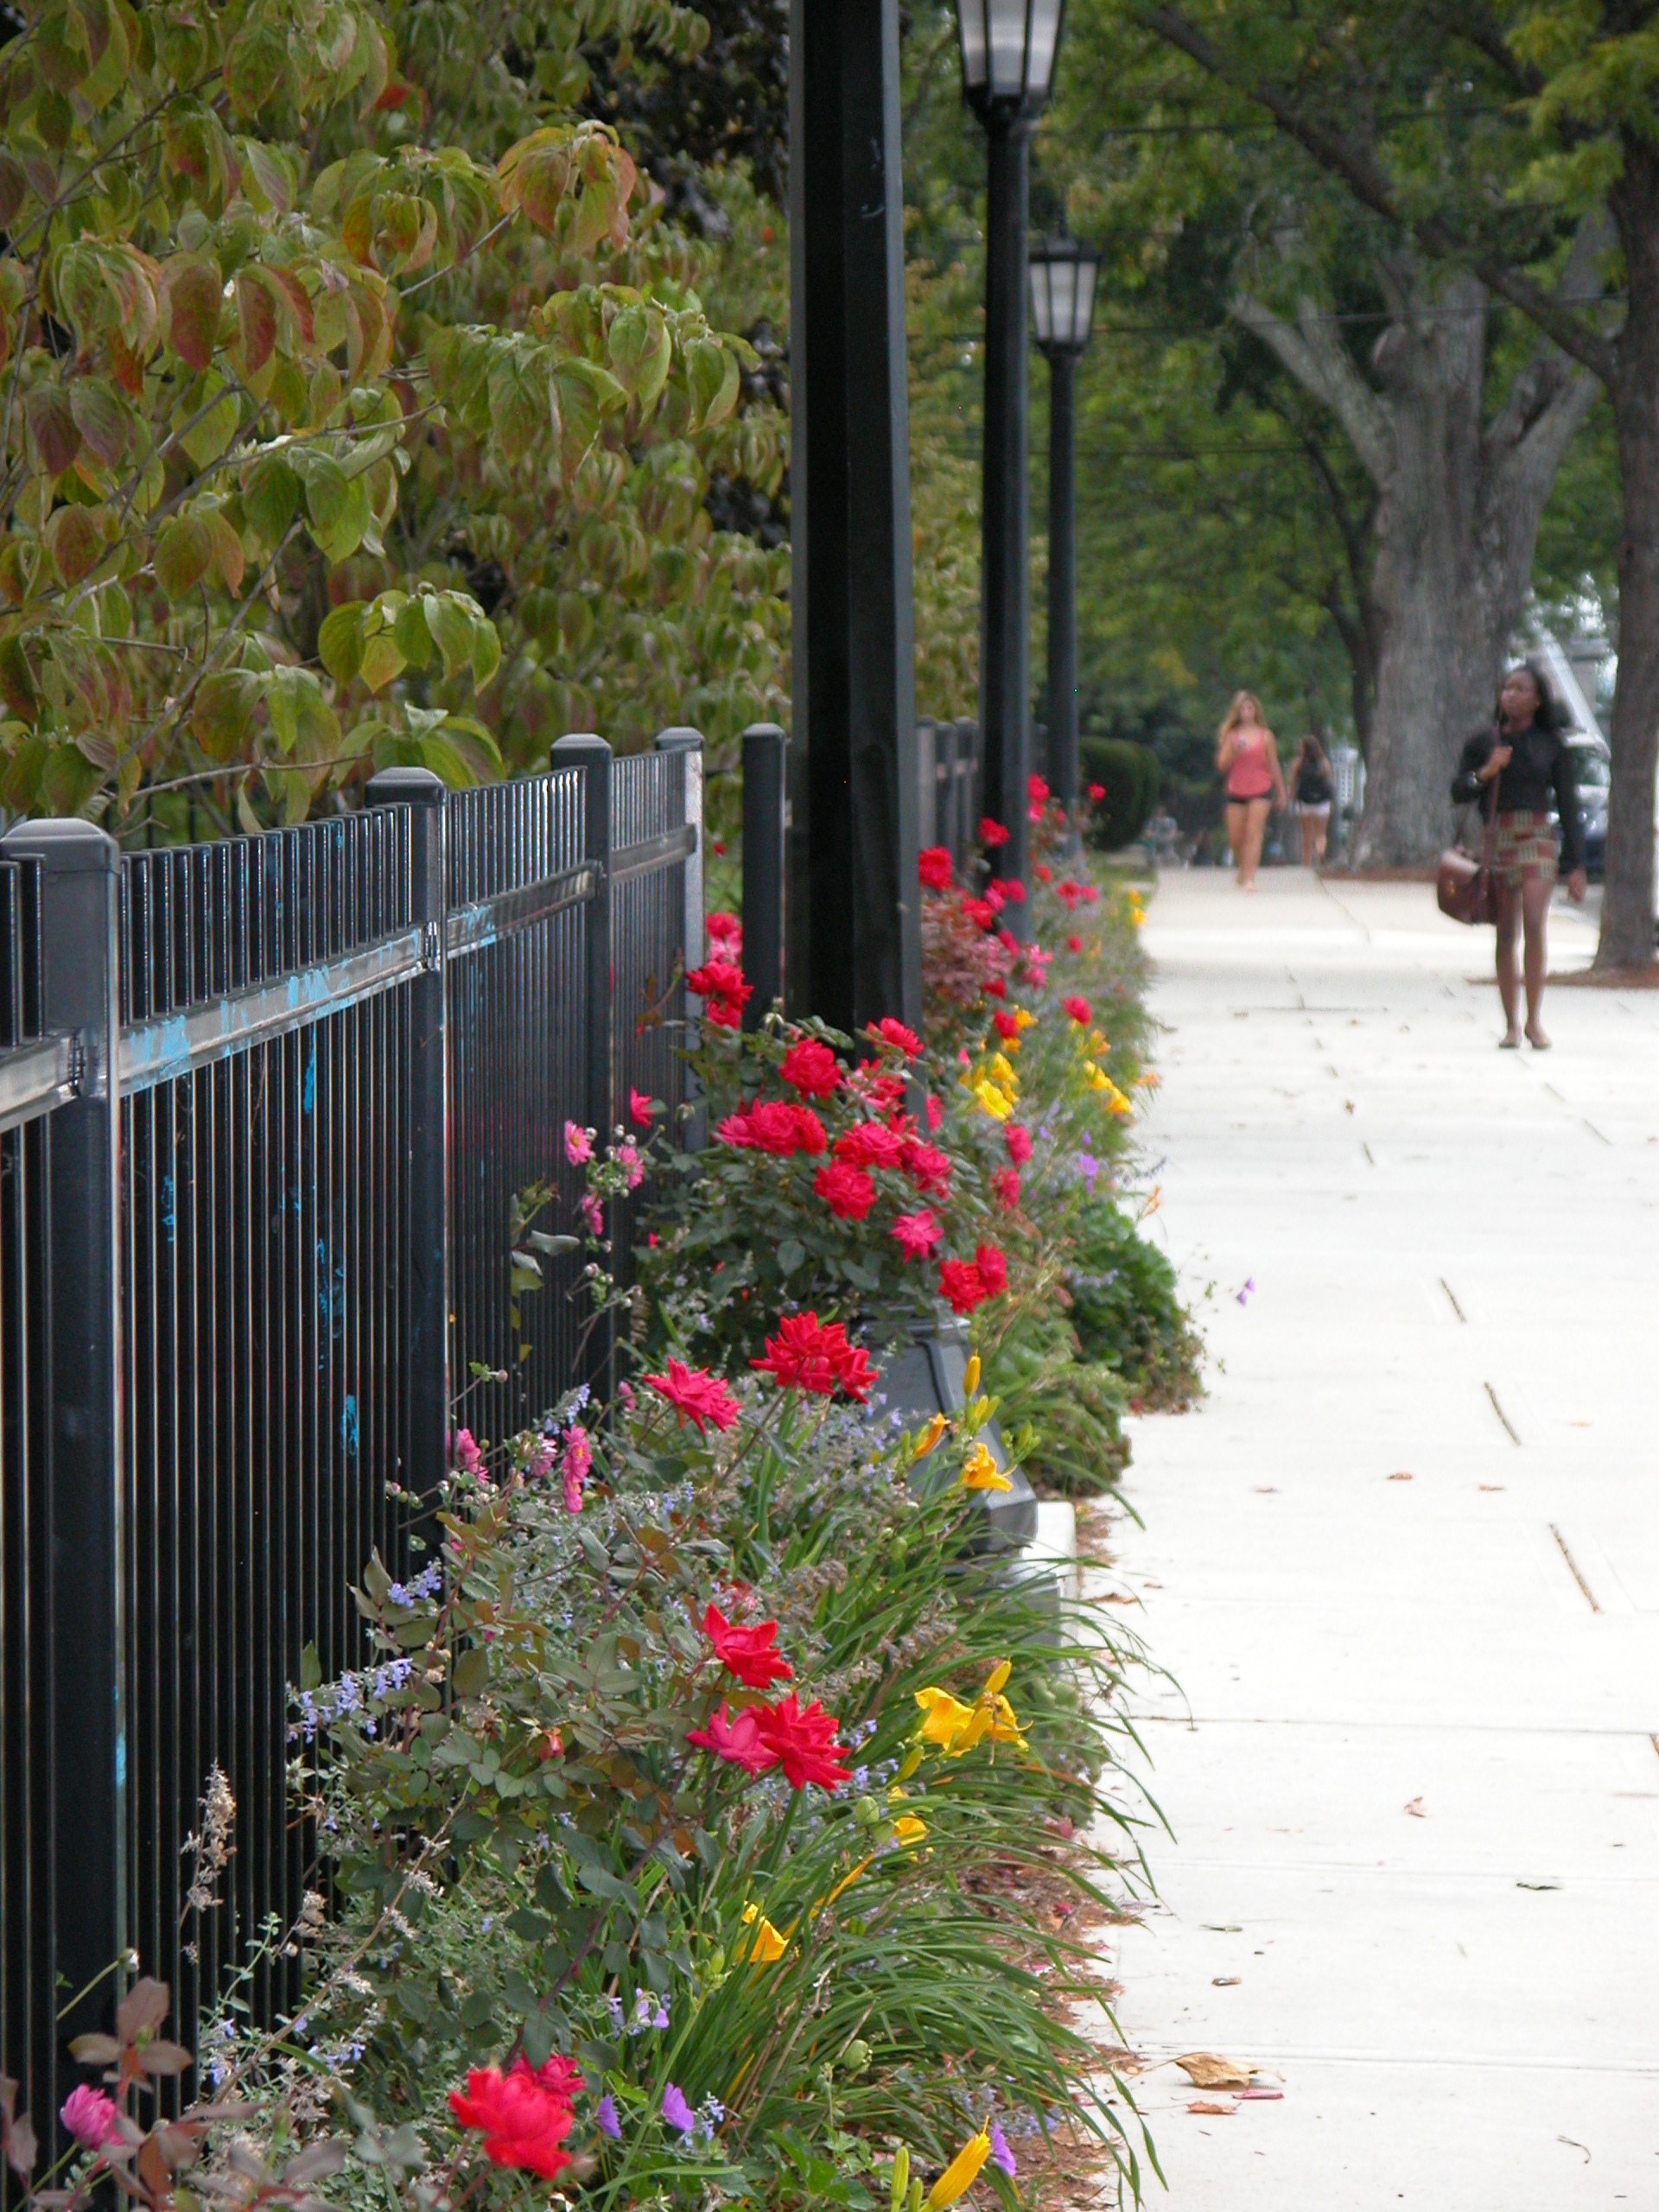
(1126, 1309)
(1129, 775)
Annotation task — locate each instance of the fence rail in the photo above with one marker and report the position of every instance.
(265, 1106)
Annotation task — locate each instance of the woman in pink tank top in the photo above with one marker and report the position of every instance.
(1246, 756)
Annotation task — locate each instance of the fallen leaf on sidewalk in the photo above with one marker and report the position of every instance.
(1206, 2069)
(1415, 1808)
(1403, 1477)
(1225, 1981)
(1257, 2097)
(1491, 1486)
(1519, 1885)
(1206, 2104)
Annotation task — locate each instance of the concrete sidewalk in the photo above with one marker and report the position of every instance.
(1416, 1801)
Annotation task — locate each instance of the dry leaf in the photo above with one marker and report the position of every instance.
(1225, 1981)
(1257, 2097)
(1491, 1486)
(1415, 1808)
(1205, 2104)
(1401, 1478)
(1205, 2069)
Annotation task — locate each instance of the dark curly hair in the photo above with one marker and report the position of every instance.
(1551, 715)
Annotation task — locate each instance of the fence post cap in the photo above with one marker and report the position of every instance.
(581, 742)
(65, 845)
(407, 786)
(766, 729)
(680, 739)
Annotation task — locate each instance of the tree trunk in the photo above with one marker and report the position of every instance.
(1457, 508)
(1627, 917)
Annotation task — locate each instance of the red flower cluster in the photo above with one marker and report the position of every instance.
(802, 1742)
(808, 1354)
(889, 1031)
(1012, 890)
(522, 2120)
(965, 1284)
(870, 1144)
(1017, 1137)
(1042, 874)
(847, 1190)
(1079, 1009)
(720, 984)
(1005, 1188)
(917, 1234)
(884, 1092)
(1006, 1024)
(749, 1653)
(933, 866)
(727, 932)
(993, 895)
(1037, 795)
(992, 833)
(811, 1068)
(1074, 945)
(1096, 792)
(979, 912)
(774, 1125)
(696, 1395)
(1076, 895)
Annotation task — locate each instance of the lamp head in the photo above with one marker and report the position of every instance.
(1008, 53)
(1062, 295)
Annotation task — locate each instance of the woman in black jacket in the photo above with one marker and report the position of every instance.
(1523, 756)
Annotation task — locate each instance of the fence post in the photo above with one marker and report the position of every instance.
(593, 756)
(927, 823)
(763, 869)
(690, 742)
(82, 1733)
(427, 1351)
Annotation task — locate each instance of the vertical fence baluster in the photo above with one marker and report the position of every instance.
(593, 756)
(763, 869)
(83, 1738)
(426, 1134)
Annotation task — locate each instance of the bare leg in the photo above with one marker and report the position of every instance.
(1508, 981)
(1310, 829)
(1534, 908)
(1236, 833)
(1320, 830)
(1255, 824)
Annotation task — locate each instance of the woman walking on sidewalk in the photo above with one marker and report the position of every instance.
(1246, 755)
(1313, 789)
(1519, 769)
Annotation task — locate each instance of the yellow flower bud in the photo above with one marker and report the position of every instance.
(971, 1375)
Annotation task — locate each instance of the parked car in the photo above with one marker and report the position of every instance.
(1592, 769)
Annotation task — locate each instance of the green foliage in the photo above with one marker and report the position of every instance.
(1126, 1307)
(1128, 775)
(358, 406)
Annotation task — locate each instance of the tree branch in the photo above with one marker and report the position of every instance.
(1370, 186)
(1315, 355)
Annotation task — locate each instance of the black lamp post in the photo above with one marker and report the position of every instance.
(1008, 66)
(1062, 308)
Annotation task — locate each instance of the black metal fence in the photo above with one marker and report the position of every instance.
(949, 759)
(264, 1107)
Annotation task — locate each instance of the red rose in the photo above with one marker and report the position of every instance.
(719, 979)
(522, 2123)
(889, 1031)
(1042, 874)
(808, 1354)
(883, 1092)
(1077, 1008)
(1074, 945)
(722, 1014)
(725, 929)
(960, 1285)
(804, 1743)
(1096, 792)
(736, 1741)
(935, 1111)
(749, 1653)
(779, 1125)
(927, 1166)
(1014, 891)
(870, 1144)
(994, 898)
(811, 1068)
(993, 1268)
(559, 2076)
(696, 1395)
(1005, 1188)
(1006, 1024)
(979, 912)
(991, 833)
(933, 866)
(1007, 940)
(848, 1191)
(1017, 1137)
(996, 989)
(916, 1234)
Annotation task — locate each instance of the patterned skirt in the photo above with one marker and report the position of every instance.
(1524, 845)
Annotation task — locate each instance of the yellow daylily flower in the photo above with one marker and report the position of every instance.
(929, 1437)
(1099, 1043)
(769, 1944)
(1024, 1017)
(1115, 1101)
(992, 1101)
(908, 1829)
(944, 1717)
(971, 1377)
(845, 1881)
(981, 1472)
(961, 2174)
(955, 1728)
(1004, 1075)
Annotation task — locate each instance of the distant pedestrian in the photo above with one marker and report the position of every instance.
(1246, 756)
(1313, 789)
(1519, 769)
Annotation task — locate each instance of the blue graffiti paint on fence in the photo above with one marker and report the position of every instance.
(308, 1095)
(348, 1427)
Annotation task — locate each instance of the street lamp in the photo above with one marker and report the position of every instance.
(1008, 66)
(1062, 309)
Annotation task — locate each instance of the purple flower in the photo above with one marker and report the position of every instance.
(89, 2115)
(1000, 2154)
(1088, 1168)
(578, 1144)
(676, 2111)
(605, 2114)
(1250, 1285)
(659, 2018)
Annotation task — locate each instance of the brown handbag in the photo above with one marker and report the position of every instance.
(1463, 883)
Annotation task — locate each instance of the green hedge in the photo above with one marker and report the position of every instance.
(1128, 774)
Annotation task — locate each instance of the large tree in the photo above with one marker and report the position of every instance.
(1483, 136)
(1459, 432)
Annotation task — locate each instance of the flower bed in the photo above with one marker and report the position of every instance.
(711, 1817)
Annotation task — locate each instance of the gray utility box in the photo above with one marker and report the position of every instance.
(924, 1377)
